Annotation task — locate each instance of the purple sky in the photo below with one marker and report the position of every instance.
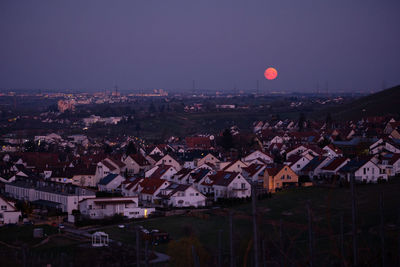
(81, 44)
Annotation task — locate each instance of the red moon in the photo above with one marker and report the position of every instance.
(270, 74)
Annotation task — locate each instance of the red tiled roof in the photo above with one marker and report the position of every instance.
(139, 159)
(198, 142)
(150, 185)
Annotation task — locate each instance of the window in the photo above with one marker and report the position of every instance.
(90, 207)
(298, 166)
(283, 177)
(243, 186)
(197, 194)
(3, 207)
(288, 177)
(103, 206)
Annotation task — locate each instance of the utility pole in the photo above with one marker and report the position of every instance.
(255, 235)
(232, 256)
(354, 220)
(382, 228)
(310, 234)
(137, 247)
(342, 240)
(220, 248)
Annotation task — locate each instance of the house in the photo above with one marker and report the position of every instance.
(130, 187)
(161, 172)
(332, 151)
(182, 176)
(8, 212)
(198, 175)
(100, 208)
(313, 168)
(179, 195)
(209, 158)
(225, 184)
(332, 167)
(362, 170)
(110, 183)
(258, 155)
(136, 163)
(234, 166)
(254, 172)
(108, 166)
(277, 177)
(84, 176)
(198, 142)
(149, 188)
(169, 160)
(230, 185)
(298, 162)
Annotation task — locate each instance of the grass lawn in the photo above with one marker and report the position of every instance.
(328, 204)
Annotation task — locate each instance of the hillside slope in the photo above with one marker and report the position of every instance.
(386, 102)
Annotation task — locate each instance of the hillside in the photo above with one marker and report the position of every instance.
(386, 102)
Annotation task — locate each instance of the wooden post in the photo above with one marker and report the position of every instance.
(146, 253)
(264, 256)
(232, 255)
(220, 248)
(310, 234)
(255, 235)
(354, 220)
(382, 228)
(281, 258)
(137, 247)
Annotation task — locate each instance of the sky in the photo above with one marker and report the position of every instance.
(336, 45)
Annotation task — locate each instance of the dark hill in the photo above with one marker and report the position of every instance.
(383, 103)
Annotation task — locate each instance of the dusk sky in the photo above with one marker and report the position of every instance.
(80, 44)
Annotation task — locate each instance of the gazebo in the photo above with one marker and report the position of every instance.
(99, 239)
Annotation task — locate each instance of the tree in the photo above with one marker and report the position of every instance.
(302, 120)
(107, 149)
(131, 148)
(227, 139)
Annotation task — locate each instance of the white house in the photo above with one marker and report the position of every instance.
(8, 212)
(258, 154)
(298, 162)
(111, 182)
(99, 208)
(230, 185)
(136, 163)
(363, 170)
(178, 195)
(235, 166)
(168, 160)
(161, 172)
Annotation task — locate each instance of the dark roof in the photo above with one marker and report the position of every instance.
(353, 165)
(199, 174)
(160, 171)
(314, 163)
(223, 178)
(106, 180)
(334, 164)
(253, 168)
